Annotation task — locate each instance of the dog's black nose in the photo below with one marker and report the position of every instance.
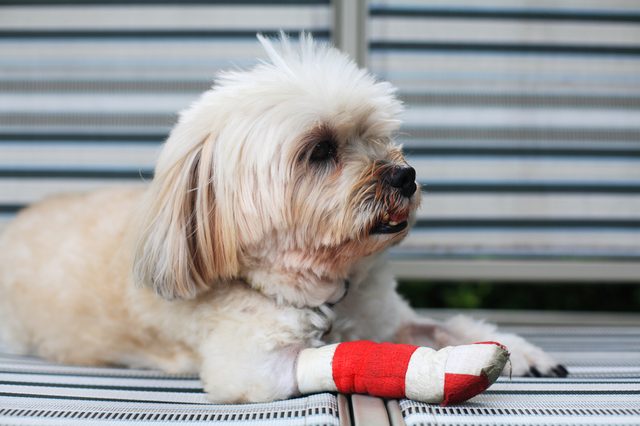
(403, 178)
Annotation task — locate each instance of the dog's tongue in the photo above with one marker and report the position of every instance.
(398, 217)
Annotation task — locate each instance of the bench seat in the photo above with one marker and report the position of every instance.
(600, 351)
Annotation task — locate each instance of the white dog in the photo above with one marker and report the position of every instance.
(260, 235)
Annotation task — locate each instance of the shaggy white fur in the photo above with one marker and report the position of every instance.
(275, 189)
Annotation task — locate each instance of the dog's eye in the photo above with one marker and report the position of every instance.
(323, 151)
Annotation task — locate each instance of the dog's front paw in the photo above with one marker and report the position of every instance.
(526, 358)
(320, 322)
(529, 360)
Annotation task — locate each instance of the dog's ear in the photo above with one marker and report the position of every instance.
(183, 247)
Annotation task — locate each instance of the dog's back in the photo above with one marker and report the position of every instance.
(53, 273)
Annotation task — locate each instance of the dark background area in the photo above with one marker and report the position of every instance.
(613, 297)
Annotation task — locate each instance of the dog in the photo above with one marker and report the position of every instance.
(262, 233)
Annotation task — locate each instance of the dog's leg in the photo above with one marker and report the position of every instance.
(526, 358)
(448, 376)
(394, 320)
(250, 374)
(255, 360)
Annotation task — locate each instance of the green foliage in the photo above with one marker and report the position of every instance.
(559, 296)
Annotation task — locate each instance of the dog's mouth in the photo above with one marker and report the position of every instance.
(390, 223)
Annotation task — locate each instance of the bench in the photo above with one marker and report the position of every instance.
(599, 350)
(522, 121)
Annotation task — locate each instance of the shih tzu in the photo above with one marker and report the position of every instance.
(261, 234)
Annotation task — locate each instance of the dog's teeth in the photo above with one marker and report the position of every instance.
(393, 223)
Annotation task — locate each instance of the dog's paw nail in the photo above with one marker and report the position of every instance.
(534, 372)
(328, 331)
(560, 370)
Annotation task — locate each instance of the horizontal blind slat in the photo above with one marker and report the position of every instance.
(165, 16)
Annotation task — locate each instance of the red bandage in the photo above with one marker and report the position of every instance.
(367, 367)
(448, 376)
(460, 387)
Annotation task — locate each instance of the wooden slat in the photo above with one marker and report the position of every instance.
(492, 30)
(526, 169)
(25, 191)
(466, 71)
(536, 69)
(527, 322)
(395, 414)
(88, 103)
(509, 117)
(136, 58)
(553, 5)
(343, 410)
(97, 123)
(517, 271)
(369, 411)
(509, 206)
(485, 240)
(173, 16)
(87, 155)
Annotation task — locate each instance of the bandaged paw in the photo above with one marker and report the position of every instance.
(448, 376)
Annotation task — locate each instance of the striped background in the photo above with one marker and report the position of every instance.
(89, 90)
(603, 388)
(523, 119)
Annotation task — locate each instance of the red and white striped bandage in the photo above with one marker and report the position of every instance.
(448, 376)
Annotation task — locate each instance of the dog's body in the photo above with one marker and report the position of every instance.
(262, 234)
(96, 315)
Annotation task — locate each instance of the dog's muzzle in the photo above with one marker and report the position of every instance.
(403, 178)
(402, 181)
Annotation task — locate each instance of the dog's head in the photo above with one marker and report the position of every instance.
(284, 176)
